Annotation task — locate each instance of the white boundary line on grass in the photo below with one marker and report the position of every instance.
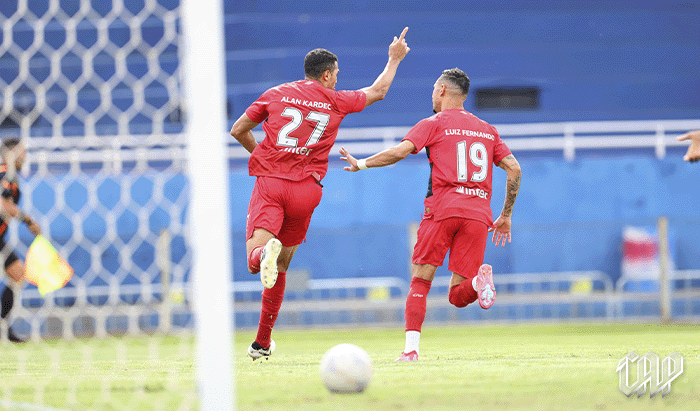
(27, 406)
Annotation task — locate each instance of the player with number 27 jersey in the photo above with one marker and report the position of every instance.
(462, 150)
(302, 123)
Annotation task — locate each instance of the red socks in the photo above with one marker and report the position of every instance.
(416, 303)
(254, 259)
(271, 303)
(463, 294)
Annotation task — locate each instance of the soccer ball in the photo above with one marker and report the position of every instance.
(346, 368)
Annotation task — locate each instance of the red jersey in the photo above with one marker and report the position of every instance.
(462, 150)
(301, 121)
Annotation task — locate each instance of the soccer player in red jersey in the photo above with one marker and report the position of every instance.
(461, 149)
(301, 121)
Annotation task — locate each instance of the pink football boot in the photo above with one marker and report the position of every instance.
(485, 289)
(411, 356)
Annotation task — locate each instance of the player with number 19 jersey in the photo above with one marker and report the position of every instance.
(462, 150)
(301, 121)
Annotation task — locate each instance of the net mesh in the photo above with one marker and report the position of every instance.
(93, 90)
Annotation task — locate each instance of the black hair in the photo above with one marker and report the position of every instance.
(458, 78)
(317, 61)
(10, 143)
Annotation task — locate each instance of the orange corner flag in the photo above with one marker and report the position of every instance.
(45, 268)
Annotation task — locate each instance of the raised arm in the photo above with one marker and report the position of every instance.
(501, 227)
(385, 158)
(397, 51)
(242, 131)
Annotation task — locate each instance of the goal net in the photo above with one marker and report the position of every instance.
(94, 90)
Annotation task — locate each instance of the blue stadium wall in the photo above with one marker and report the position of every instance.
(569, 216)
(591, 60)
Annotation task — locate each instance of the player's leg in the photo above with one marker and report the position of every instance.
(263, 249)
(15, 271)
(272, 298)
(428, 254)
(416, 307)
(264, 221)
(299, 204)
(471, 280)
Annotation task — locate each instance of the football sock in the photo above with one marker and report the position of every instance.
(416, 303)
(271, 303)
(463, 294)
(254, 259)
(412, 341)
(8, 300)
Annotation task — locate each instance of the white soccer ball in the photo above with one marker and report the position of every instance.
(346, 368)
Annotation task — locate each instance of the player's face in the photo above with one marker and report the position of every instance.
(334, 76)
(437, 87)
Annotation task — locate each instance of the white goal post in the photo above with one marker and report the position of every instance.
(208, 165)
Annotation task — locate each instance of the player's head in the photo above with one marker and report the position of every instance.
(452, 85)
(322, 65)
(13, 149)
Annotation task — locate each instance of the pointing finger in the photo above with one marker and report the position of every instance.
(403, 33)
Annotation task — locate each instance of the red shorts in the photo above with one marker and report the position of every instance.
(466, 240)
(283, 207)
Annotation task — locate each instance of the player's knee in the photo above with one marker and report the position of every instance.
(455, 298)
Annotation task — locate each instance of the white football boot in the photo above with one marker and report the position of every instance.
(268, 262)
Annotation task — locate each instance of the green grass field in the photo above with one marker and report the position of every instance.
(503, 367)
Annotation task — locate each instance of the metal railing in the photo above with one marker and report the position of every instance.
(566, 137)
(532, 296)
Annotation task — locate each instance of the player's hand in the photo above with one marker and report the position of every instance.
(501, 230)
(693, 153)
(398, 48)
(34, 228)
(350, 159)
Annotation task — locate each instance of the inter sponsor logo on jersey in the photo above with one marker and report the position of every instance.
(471, 133)
(473, 192)
(306, 103)
(304, 151)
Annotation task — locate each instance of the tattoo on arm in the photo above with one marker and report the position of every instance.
(512, 188)
(509, 163)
